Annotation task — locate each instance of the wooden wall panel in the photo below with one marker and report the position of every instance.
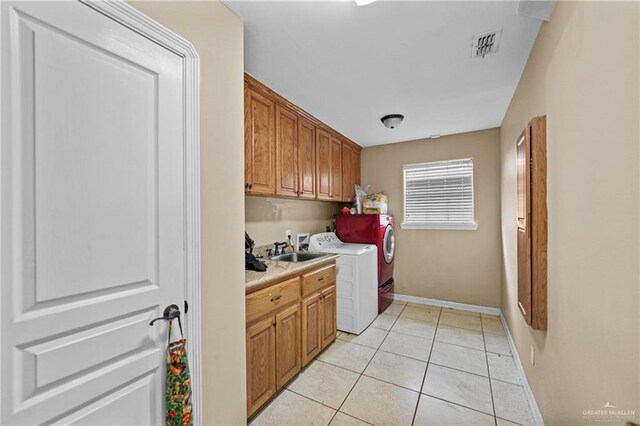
(532, 223)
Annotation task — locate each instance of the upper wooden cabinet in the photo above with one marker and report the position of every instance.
(306, 159)
(336, 170)
(350, 171)
(289, 153)
(286, 152)
(259, 144)
(323, 165)
(329, 166)
(531, 148)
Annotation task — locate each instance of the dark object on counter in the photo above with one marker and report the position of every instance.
(253, 264)
(248, 243)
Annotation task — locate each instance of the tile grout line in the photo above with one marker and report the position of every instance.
(486, 358)
(424, 377)
(459, 405)
(459, 369)
(362, 373)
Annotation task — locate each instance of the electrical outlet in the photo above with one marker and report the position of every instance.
(288, 234)
(532, 355)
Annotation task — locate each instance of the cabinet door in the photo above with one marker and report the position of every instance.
(336, 170)
(261, 363)
(323, 164)
(311, 327)
(523, 155)
(286, 152)
(306, 159)
(259, 144)
(329, 327)
(524, 274)
(287, 344)
(348, 173)
(355, 168)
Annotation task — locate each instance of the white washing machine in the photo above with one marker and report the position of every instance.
(356, 280)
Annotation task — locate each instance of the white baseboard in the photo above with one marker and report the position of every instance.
(535, 411)
(446, 304)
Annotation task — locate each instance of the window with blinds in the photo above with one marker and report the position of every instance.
(439, 195)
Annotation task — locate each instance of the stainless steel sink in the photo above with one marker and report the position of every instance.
(297, 257)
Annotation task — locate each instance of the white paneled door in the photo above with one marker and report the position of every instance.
(92, 216)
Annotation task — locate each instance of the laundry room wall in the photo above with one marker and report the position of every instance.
(217, 34)
(267, 219)
(454, 265)
(588, 87)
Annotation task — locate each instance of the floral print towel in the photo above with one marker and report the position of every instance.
(178, 385)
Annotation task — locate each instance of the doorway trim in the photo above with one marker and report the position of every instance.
(135, 20)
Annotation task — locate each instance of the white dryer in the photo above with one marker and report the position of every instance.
(356, 280)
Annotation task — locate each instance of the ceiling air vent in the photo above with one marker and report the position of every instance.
(485, 43)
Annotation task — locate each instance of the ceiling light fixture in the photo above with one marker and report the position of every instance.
(392, 120)
(364, 2)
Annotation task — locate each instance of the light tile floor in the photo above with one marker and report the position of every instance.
(416, 364)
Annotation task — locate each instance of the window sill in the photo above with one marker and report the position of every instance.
(440, 226)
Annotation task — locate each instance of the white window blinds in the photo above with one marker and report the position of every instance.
(439, 195)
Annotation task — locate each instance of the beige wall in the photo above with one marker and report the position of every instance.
(217, 35)
(267, 219)
(583, 74)
(457, 266)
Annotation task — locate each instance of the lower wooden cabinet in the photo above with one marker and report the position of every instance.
(286, 329)
(311, 323)
(273, 355)
(261, 364)
(329, 329)
(318, 322)
(287, 344)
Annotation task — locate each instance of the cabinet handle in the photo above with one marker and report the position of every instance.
(250, 185)
(276, 298)
(321, 279)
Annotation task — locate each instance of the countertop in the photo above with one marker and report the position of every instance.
(278, 269)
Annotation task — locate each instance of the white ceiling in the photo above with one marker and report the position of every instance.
(350, 65)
